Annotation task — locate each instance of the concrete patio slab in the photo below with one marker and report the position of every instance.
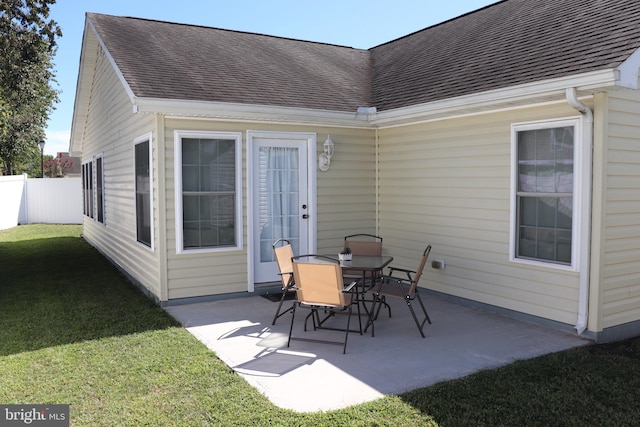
(308, 376)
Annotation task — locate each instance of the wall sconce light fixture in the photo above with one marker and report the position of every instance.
(324, 160)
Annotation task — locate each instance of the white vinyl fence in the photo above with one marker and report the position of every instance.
(39, 200)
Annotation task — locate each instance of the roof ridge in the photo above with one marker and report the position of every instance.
(159, 21)
(455, 18)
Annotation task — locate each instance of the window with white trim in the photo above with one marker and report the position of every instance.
(545, 170)
(143, 190)
(87, 188)
(100, 189)
(208, 177)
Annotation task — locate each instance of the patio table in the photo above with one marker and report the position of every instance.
(369, 266)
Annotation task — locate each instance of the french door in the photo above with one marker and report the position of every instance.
(280, 195)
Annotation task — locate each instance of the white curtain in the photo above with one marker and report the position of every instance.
(278, 198)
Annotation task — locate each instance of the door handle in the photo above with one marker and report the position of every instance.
(305, 216)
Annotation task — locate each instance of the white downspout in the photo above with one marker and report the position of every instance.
(585, 158)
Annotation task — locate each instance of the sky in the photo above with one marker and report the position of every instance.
(355, 23)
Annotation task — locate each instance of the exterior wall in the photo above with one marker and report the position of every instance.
(110, 131)
(342, 209)
(447, 183)
(619, 267)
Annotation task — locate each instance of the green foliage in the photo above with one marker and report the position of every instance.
(27, 45)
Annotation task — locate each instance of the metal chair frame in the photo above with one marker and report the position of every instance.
(319, 287)
(399, 287)
(283, 258)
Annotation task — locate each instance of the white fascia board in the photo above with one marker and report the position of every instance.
(79, 117)
(547, 90)
(247, 112)
(89, 51)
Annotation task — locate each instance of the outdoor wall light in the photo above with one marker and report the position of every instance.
(41, 146)
(324, 160)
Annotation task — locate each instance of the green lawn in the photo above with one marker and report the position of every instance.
(73, 330)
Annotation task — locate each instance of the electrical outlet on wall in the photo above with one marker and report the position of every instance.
(438, 264)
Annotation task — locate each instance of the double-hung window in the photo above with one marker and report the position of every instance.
(544, 185)
(143, 190)
(87, 188)
(208, 179)
(100, 188)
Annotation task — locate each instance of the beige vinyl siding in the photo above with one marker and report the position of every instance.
(110, 130)
(620, 264)
(447, 183)
(341, 208)
(347, 191)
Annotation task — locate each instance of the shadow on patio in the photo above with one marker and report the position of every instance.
(310, 376)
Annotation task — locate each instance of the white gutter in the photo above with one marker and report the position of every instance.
(230, 111)
(509, 97)
(584, 244)
(367, 117)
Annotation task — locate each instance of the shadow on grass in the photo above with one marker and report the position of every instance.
(60, 290)
(591, 385)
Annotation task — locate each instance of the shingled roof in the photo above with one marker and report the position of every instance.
(505, 44)
(177, 61)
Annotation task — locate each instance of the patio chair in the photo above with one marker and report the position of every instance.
(362, 244)
(283, 254)
(319, 287)
(393, 286)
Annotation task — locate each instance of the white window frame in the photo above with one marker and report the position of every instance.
(100, 200)
(578, 185)
(237, 137)
(88, 189)
(139, 140)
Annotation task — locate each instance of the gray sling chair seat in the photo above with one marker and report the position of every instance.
(320, 288)
(405, 288)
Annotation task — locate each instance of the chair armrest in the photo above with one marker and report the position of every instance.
(351, 285)
(290, 283)
(403, 270)
(399, 280)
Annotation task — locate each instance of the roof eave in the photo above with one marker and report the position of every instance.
(92, 46)
(80, 105)
(248, 112)
(551, 90)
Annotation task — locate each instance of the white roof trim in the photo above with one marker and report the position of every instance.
(79, 117)
(91, 45)
(247, 112)
(510, 97)
(542, 91)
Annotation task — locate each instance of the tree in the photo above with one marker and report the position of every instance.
(27, 97)
(57, 167)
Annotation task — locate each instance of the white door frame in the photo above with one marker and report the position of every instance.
(310, 139)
